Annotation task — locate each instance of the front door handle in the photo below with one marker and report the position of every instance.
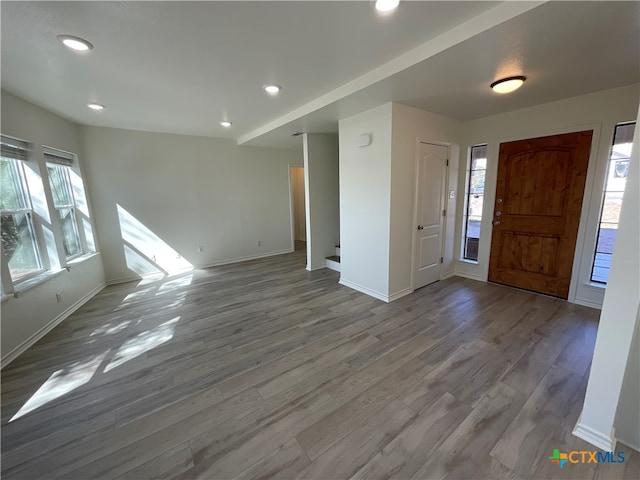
(420, 227)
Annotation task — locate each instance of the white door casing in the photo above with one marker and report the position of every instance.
(429, 228)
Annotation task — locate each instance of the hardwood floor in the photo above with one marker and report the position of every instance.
(264, 370)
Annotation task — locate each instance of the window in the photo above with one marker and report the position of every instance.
(616, 180)
(63, 201)
(19, 244)
(474, 200)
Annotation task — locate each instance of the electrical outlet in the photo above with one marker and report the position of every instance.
(200, 248)
(58, 297)
(259, 243)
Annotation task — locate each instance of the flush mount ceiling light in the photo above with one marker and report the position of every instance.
(225, 124)
(272, 89)
(75, 43)
(509, 84)
(385, 6)
(95, 106)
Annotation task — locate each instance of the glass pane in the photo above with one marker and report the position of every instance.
(11, 197)
(475, 205)
(70, 238)
(601, 267)
(606, 238)
(476, 184)
(479, 152)
(611, 207)
(618, 170)
(19, 245)
(478, 164)
(624, 134)
(473, 227)
(60, 188)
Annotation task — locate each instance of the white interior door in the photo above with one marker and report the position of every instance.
(432, 169)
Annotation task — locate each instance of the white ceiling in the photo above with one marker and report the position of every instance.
(181, 67)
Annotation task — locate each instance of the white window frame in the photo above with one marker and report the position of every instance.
(602, 205)
(54, 162)
(467, 198)
(11, 152)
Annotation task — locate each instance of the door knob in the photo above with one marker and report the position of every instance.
(498, 214)
(420, 227)
(497, 222)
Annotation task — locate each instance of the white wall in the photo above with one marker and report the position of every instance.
(628, 418)
(298, 200)
(365, 200)
(618, 328)
(163, 196)
(322, 197)
(26, 318)
(410, 125)
(599, 112)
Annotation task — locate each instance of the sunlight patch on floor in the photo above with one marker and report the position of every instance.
(143, 342)
(60, 383)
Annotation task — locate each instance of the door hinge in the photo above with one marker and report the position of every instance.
(444, 213)
(441, 260)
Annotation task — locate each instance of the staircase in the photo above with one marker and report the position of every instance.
(333, 262)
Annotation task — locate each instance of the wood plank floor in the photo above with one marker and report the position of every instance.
(263, 370)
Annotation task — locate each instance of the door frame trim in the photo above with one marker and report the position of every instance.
(443, 236)
(586, 223)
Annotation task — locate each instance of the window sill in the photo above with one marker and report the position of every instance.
(27, 285)
(600, 286)
(470, 262)
(35, 281)
(78, 260)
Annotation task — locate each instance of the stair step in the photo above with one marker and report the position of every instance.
(333, 262)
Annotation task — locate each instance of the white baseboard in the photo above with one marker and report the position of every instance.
(447, 274)
(400, 294)
(20, 349)
(244, 259)
(319, 266)
(598, 439)
(630, 444)
(471, 276)
(365, 290)
(587, 303)
(116, 281)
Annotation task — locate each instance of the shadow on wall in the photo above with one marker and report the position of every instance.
(145, 252)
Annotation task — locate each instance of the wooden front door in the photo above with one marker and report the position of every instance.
(537, 212)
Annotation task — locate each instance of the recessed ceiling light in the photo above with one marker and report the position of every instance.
(95, 106)
(225, 124)
(271, 89)
(509, 84)
(75, 43)
(387, 5)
